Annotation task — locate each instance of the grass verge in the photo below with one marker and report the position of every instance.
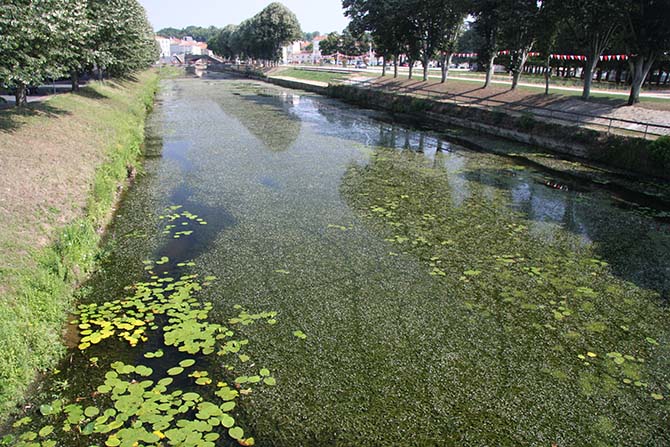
(309, 75)
(45, 254)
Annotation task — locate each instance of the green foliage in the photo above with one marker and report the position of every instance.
(51, 38)
(274, 27)
(310, 36)
(660, 151)
(331, 44)
(221, 44)
(260, 37)
(527, 122)
(385, 20)
(346, 43)
(124, 40)
(198, 33)
(33, 35)
(176, 399)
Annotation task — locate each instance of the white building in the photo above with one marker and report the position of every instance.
(187, 46)
(290, 52)
(164, 43)
(316, 51)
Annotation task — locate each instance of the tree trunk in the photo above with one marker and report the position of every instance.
(383, 66)
(518, 67)
(489, 71)
(591, 63)
(547, 76)
(639, 67)
(446, 61)
(516, 74)
(20, 95)
(395, 66)
(425, 68)
(410, 63)
(75, 81)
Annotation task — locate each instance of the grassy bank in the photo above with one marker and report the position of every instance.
(310, 75)
(66, 159)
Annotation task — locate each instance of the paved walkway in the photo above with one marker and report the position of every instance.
(9, 100)
(47, 91)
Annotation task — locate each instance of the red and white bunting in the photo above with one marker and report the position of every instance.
(614, 57)
(562, 57)
(580, 57)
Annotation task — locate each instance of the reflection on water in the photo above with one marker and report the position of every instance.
(270, 119)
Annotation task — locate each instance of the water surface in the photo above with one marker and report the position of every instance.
(448, 297)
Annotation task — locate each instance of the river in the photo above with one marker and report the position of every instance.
(299, 271)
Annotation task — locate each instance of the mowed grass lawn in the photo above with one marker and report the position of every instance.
(468, 86)
(62, 161)
(311, 75)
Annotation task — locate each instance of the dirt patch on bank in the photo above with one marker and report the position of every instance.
(49, 153)
(554, 106)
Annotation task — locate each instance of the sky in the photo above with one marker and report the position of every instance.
(314, 15)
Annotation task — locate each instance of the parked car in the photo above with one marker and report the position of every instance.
(361, 65)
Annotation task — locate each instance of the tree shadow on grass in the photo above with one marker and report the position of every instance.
(90, 93)
(12, 119)
(120, 82)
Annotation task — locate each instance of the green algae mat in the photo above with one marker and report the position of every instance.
(290, 271)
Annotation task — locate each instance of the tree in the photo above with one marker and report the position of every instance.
(223, 43)
(77, 31)
(646, 35)
(332, 44)
(198, 33)
(42, 39)
(123, 41)
(518, 27)
(385, 21)
(453, 21)
(550, 22)
(593, 24)
(171, 32)
(275, 26)
(30, 41)
(424, 31)
(310, 36)
(354, 44)
(487, 25)
(411, 46)
(242, 40)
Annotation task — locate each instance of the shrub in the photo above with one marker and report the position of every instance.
(498, 117)
(660, 151)
(527, 122)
